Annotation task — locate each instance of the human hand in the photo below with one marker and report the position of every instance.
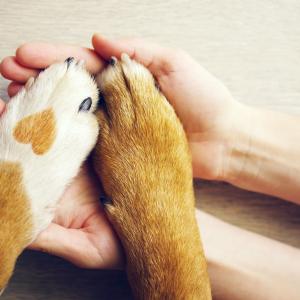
(80, 231)
(249, 147)
(203, 104)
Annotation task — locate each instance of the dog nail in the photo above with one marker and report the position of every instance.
(69, 60)
(125, 58)
(105, 200)
(113, 60)
(86, 104)
(29, 83)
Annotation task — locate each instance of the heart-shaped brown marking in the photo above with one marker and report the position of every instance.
(38, 130)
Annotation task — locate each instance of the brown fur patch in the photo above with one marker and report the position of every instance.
(143, 161)
(37, 130)
(15, 218)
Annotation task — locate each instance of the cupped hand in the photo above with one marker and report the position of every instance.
(80, 231)
(203, 104)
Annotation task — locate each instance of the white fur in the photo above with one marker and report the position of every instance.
(62, 88)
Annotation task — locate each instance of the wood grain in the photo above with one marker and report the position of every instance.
(40, 276)
(253, 46)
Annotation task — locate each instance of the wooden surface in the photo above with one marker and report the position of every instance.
(253, 46)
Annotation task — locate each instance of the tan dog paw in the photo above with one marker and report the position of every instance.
(143, 161)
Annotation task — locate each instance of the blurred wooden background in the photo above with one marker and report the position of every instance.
(253, 46)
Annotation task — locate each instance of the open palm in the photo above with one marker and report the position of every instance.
(80, 231)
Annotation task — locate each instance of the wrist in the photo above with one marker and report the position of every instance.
(236, 161)
(262, 153)
(213, 149)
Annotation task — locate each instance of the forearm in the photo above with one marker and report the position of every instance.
(264, 153)
(244, 265)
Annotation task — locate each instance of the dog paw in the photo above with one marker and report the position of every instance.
(141, 140)
(46, 132)
(144, 164)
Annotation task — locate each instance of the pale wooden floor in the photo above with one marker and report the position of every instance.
(253, 46)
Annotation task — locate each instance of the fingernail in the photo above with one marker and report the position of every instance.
(99, 35)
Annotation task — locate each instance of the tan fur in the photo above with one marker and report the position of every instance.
(14, 206)
(143, 161)
(37, 130)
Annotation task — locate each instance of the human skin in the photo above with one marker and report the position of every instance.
(245, 265)
(223, 145)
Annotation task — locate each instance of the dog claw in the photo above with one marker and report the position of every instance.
(29, 83)
(105, 200)
(125, 58)
(113, 60)
(69, 60)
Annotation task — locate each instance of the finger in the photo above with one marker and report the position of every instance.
(2, 106)
(41, 55)
(13, 88)
(154, 57)
(63, 242)
(47, 240)
(75, 246)
(12, 70)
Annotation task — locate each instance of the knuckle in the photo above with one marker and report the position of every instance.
(5, 67)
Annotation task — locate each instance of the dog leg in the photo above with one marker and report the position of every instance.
(143, 161)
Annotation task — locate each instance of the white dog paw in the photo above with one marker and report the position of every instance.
(46, 132)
